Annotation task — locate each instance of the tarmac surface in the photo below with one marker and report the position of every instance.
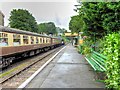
(68, 70)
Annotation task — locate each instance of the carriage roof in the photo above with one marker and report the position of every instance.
(13, 30)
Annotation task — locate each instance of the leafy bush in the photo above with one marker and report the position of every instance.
(80, 49)
(111, 50)
(100, 45)
(85, 48)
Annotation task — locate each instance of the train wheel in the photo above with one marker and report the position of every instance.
(32, 53)
(37, 51)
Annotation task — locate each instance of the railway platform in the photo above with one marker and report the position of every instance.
(68, 69)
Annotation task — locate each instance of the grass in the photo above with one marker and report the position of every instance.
(12, 70)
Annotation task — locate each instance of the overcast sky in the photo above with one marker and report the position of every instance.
(57, 11)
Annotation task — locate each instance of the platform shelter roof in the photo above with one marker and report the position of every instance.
(69, 34)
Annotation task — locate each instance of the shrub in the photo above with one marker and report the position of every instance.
(85, 48)
(111, 50)
(80, 49)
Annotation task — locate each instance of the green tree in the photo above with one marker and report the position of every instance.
(51, 29)
(48, 28)
(100, 18)
(42, 28)
(60, 31)
(22, 19)
(92, 20)
(110, 16)
(64, 30)
(76, 24)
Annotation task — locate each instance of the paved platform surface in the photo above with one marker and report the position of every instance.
(68, 70)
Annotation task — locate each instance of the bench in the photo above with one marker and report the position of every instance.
(97, 61)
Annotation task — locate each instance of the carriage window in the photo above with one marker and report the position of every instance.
(25, 39)
(3, 39)
(40, 40)
(16, 39)
(32, 40)
(37, 40)
(3, 42)
(3, 35)
(46, 41)
(0, 35)
(43, 40)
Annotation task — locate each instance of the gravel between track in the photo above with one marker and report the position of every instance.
(17, 80)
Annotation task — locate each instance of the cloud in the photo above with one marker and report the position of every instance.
(57, 12)
(37, 0)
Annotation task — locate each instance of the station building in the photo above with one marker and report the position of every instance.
(1, 18)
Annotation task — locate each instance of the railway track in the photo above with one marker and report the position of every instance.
(25, 70)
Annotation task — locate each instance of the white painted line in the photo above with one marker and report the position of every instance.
(24, 84)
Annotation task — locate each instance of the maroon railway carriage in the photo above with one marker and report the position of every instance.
(16, 43)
